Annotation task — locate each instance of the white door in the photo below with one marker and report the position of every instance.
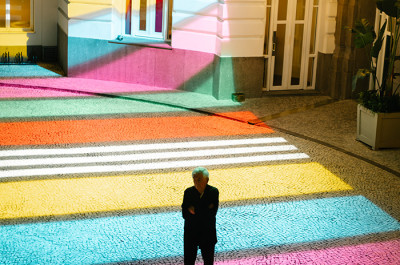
(290, 44)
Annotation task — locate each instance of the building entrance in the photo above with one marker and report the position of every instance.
(290, 54)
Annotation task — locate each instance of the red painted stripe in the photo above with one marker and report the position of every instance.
(128, 129)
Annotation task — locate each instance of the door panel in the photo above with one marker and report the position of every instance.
(279, 53)
(297, 55)
(291, 52)
(143, 15)
(282, 10)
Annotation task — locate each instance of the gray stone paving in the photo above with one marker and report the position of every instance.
(335, 125)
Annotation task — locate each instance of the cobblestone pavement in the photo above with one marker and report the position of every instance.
(93, 172)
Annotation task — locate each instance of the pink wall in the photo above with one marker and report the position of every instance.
(174, 69)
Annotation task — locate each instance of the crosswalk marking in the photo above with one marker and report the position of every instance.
(144, 156)
(139, 147)
(148, 166)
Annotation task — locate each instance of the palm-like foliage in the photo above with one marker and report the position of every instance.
(383, 97)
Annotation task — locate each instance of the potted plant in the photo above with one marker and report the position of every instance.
(378, 112)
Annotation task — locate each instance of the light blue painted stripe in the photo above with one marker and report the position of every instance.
(131, 238)
(26, 71)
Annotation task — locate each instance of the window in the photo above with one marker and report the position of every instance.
(148, 18)
(16, 14)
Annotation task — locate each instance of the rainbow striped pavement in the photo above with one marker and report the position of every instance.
(94, 180)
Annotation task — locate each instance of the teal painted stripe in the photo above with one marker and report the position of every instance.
(86, 54)
(25, 71)
(152, 236)
(103, 105)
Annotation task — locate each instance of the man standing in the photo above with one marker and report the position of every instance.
(199, 208)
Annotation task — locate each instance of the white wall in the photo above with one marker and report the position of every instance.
(86, 18)
(195, 25)
(49, 22)
(241, 28)
(226, 28)
(236, 28)
(327, 26)
(44, 27)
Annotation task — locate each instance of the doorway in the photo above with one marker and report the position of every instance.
(290, 54)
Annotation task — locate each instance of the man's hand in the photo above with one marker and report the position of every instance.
(191, 210)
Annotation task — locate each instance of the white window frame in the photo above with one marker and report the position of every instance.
(150, 20)
(8, 28)
(380, 18)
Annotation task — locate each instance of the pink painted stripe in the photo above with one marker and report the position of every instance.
(382, 253)
(36, 87)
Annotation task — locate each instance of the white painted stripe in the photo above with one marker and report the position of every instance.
(148, 166)
(138, 147)
(144, 156)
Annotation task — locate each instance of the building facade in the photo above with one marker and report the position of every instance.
(28, 28)
(215, 47)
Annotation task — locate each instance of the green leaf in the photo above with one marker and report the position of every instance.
(364, 33)
(361, 74)
(376, 48)
(390, 7)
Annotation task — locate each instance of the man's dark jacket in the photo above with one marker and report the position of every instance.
(200, 227)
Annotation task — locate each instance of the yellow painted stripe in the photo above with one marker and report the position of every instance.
(35, 198)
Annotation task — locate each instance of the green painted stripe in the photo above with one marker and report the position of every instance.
(127, 104)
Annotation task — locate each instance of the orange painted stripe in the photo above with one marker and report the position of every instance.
(128, 129)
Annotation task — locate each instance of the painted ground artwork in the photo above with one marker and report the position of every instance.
(90, 179)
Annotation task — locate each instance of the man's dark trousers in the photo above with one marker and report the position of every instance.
(207, 252)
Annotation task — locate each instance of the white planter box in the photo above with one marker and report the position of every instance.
(379, 130)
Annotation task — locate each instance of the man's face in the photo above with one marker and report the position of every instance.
(200, 182)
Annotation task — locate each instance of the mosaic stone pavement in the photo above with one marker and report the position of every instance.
(101, 182)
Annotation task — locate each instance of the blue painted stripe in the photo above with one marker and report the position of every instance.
(140, 237)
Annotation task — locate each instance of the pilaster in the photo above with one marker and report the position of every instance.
(343, 64)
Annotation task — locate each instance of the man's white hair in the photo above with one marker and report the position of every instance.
(200, 171)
